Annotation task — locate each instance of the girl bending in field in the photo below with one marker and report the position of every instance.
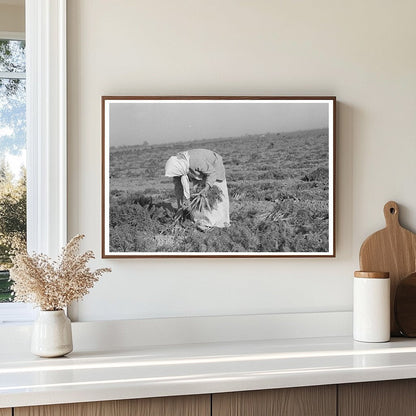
(209, 205)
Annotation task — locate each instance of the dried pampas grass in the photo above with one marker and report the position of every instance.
(53, 285)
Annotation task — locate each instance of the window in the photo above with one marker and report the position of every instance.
(46, 133)
(12, 165)
(12, 155)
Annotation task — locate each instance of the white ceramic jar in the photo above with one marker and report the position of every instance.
(371, 322)
(52, 334)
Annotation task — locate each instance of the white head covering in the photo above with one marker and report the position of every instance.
(179, 166)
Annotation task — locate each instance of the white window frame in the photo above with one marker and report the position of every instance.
(46, 134)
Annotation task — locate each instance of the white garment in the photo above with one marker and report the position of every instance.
(179, 166)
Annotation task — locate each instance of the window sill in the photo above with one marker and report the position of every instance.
(16, 313)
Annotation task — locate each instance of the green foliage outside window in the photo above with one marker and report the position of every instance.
(12, 148)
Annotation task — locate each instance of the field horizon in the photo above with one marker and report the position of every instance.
(214, 139)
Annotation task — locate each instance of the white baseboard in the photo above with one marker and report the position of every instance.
(127, 334)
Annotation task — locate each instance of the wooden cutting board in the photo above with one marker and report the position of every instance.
(393, 250)
(405, 306)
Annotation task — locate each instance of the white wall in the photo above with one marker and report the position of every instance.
(361, 51)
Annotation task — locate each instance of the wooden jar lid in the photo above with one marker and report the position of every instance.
(372, 275)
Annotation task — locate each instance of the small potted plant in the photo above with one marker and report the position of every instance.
(52, 286)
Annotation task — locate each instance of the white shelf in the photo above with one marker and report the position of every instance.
(150, 371)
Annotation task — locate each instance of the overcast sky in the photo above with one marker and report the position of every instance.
(136, 122)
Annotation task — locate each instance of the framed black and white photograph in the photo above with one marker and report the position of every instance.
(218, 176)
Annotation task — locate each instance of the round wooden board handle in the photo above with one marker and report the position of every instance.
(391, 214)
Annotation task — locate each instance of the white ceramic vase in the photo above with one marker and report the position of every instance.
(52, 334)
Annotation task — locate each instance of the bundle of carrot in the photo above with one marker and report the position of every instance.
(200, 202)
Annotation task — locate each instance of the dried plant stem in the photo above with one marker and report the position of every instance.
(53, 285)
